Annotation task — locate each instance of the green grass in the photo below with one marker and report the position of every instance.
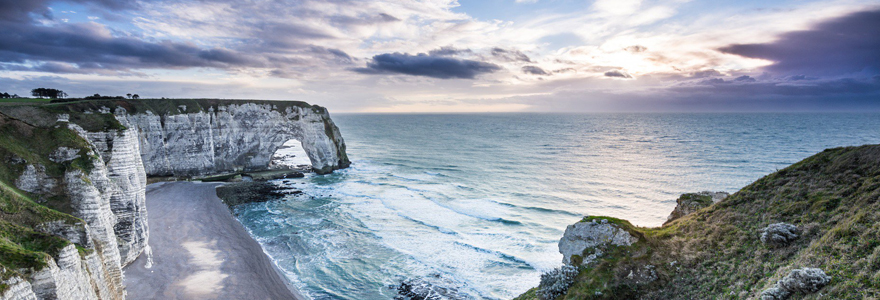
(716, 253)
(24, 100)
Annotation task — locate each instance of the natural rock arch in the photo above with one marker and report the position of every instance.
(235, 137)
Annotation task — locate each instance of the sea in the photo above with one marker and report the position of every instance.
(472, 206)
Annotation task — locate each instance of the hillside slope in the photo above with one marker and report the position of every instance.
(833, 198)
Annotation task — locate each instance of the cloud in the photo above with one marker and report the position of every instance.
(636, 48)
(426, 65)
(510, 55)
(617, 74)
(534, 70)
(744, 78)
(92, 43)
(617, 7)
(448, 51)
(845, 45)
(25, 10)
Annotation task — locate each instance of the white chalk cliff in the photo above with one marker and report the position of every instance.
(109, 194)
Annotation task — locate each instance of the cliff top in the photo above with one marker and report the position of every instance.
(832, 199)
(83, 112)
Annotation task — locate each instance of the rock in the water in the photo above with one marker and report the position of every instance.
(691, 202)
(420, 289)
(556, 282)
(779, 234)
(251, 191)
(581, 236)
(803, 281)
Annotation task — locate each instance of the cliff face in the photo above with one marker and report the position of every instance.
(88, 163)
(235, 137)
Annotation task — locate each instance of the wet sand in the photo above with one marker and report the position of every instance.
(200, 251)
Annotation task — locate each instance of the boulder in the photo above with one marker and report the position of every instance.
(779, 234)
(803, 281)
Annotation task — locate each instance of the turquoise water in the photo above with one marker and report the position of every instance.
(477, 202)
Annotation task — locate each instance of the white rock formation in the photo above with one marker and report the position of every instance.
(35, 180)
(581, 236)
(779, 234)
(120, 150)
(235, 137)
(110, 196)
(18, 289)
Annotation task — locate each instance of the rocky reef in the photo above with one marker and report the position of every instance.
(808, 231)
(73, 178)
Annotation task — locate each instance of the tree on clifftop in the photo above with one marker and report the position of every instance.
(48, 93)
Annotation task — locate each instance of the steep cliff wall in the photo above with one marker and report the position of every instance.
(75, 175)
(55, 217)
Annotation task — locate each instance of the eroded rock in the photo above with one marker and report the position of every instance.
(581, 236)
(803, 281)
(779, 234)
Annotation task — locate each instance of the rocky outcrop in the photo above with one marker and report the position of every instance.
(65, 277)
(798, 281)
(691, 202)
(17, 289)
(779, 234)
(584, 240)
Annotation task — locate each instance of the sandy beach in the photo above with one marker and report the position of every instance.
(200, 251)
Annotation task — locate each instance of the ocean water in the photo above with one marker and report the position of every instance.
(475, 203)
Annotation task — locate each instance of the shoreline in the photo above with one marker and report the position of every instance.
(200, 251)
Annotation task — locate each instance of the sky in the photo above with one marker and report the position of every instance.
(455, 56)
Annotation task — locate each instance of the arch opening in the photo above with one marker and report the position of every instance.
(291, 155)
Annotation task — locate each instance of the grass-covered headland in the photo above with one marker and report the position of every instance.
(832, 198)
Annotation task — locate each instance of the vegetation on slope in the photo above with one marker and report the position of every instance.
(22, 246)
(716, 253)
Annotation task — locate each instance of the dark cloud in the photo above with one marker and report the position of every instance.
(510, 55)
(31, 43)
(618, 74)
(91, 43)
(745, 86)
(534, 70)
(426, 65)
(846, 45)
(448, 51)
(706, 73)
(744, 78)
(25, 10)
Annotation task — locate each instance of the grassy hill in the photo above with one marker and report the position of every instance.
(715, 253)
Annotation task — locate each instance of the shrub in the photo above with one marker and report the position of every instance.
(556, 282)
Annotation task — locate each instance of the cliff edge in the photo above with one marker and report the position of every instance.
(73, 178)
(808, 231)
